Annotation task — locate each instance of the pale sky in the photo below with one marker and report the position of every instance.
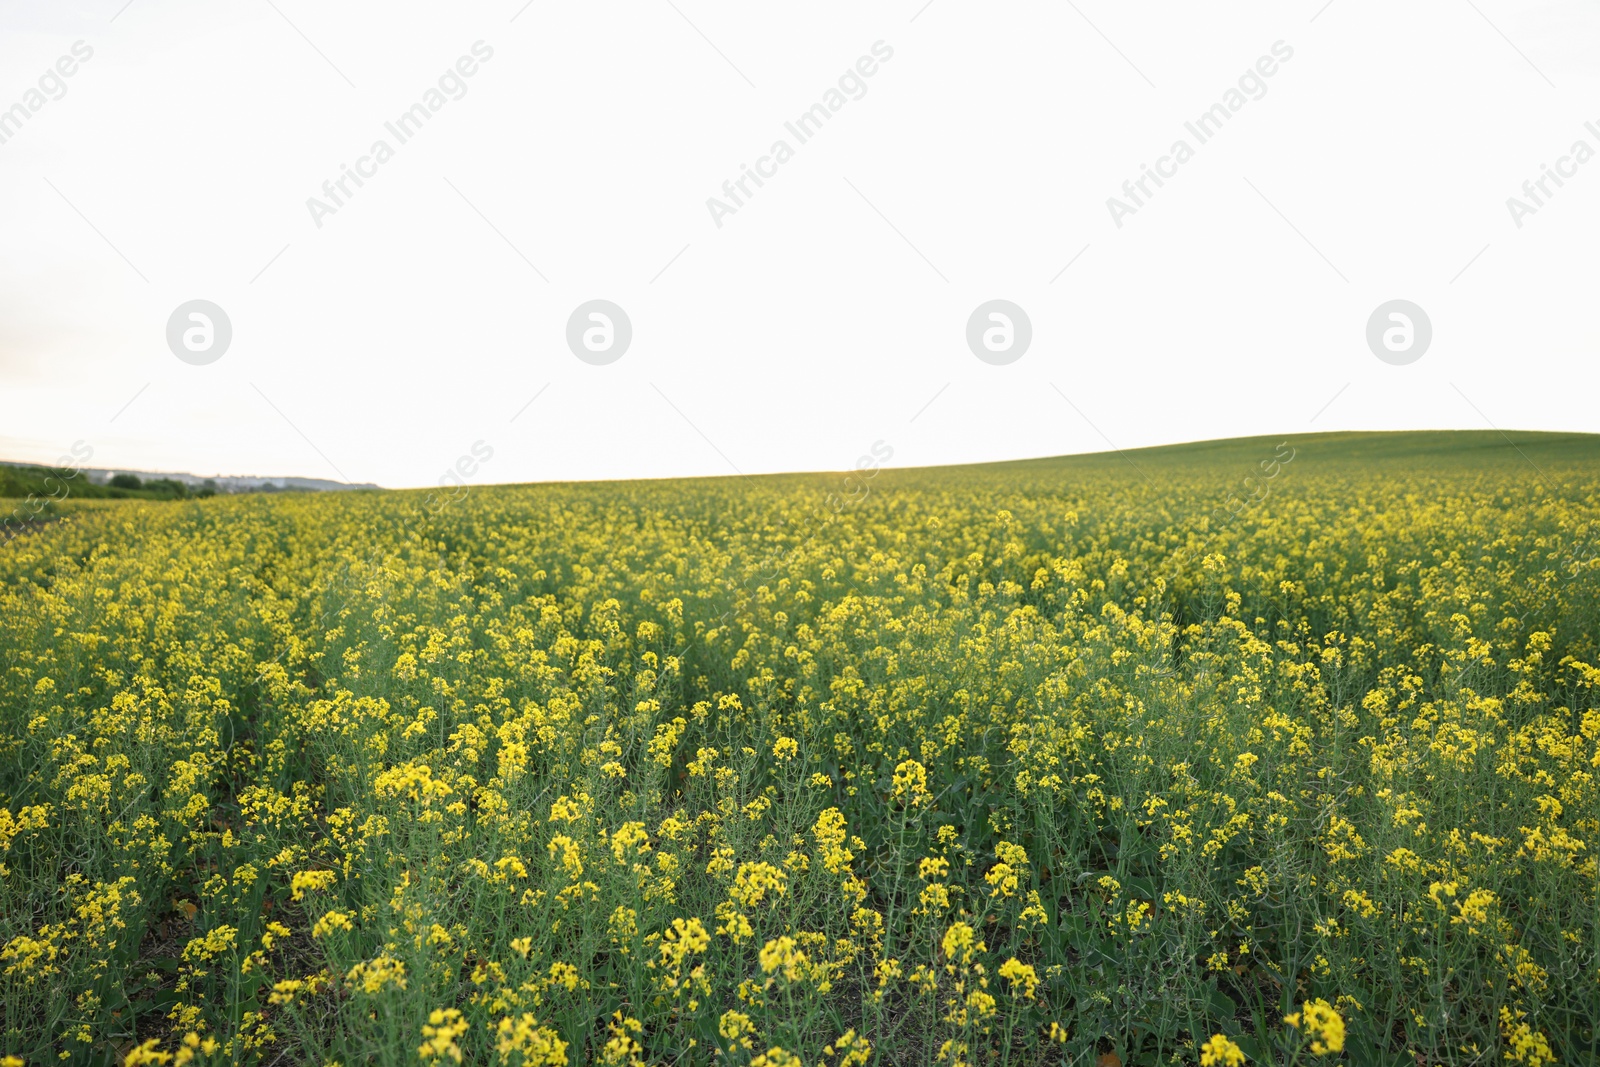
(830, 311)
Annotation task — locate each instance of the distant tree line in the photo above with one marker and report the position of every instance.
(130, 485)
(49, 482)
(38, 491)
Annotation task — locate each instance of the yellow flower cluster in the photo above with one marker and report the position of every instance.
(1321, 1024)
(1219, 1051)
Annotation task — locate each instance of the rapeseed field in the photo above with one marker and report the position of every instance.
(1259, 751)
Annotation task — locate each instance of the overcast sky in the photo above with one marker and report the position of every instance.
(380, 336)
